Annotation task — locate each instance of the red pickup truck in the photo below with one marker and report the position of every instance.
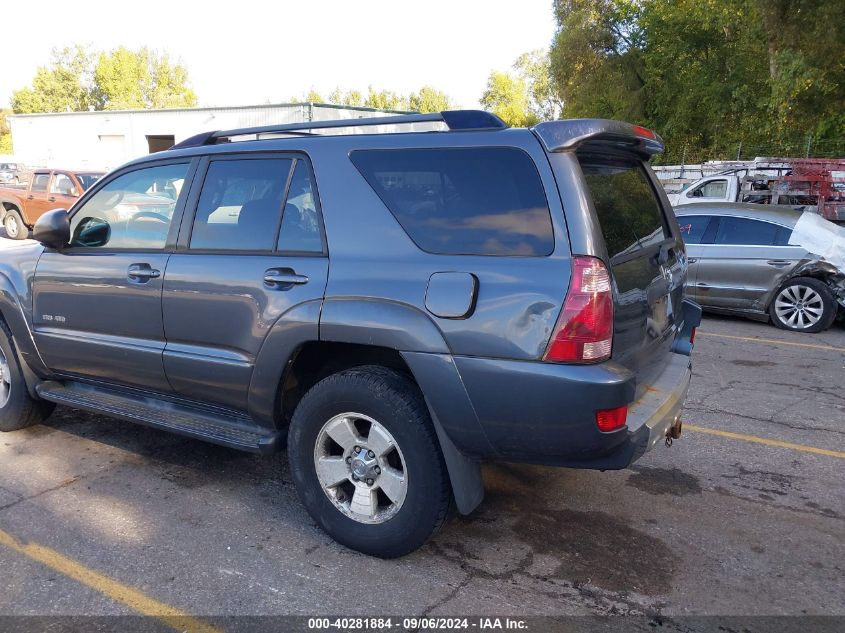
(47, 189)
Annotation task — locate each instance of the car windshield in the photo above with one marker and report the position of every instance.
(86, 180)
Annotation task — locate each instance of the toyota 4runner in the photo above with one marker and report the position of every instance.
(395, 307)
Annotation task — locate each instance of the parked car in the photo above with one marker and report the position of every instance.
(12, 174)
(47, 189)
(395, 307)
(744, 261)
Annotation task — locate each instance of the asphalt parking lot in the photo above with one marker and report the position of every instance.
(744, 515)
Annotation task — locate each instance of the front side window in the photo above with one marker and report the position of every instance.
(711, 189)
(241, 204)
(40, 182)
(748, 232)
(88, 179)
(134, 210)
(473, 201)
(628, 210)
(693, 227)
(63, 185)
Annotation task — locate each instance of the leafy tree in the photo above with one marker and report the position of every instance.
(385, 100)
(507, 96)
(76, 80)
(64, 85)
(535, 70)
(348, 98)
(126, 80)
(429, 99)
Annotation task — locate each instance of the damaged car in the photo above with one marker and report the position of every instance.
(765, 263)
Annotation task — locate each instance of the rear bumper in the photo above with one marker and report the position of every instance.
(544, 413)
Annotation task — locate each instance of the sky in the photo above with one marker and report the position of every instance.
(251, 52)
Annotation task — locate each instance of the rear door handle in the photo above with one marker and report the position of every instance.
(692, 260)
(30, 197)
(778, 262)
(52, 199)
(278, 277)
(142, 273)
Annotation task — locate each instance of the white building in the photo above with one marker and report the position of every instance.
(107, 139)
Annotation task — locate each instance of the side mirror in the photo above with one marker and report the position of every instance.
(52, 229)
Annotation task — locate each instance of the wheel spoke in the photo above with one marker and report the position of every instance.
(793, 318)
(816, 312)
(332, 471)
(378, 440)
(364, 501)
(392, 483)
(344, 433)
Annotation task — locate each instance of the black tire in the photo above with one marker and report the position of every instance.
(818, 289)
(397, 404)
(15, 228)
(18, 409)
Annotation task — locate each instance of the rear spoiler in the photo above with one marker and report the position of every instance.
(561, 136)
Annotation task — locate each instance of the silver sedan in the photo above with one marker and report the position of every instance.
(741, 262)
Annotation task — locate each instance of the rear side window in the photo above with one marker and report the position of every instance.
(751, 232)
(626, 204)
(693, 227)
(466, 201)
(240, 206)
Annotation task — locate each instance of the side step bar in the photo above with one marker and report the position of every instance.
(215, 426)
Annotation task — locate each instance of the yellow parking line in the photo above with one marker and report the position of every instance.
(764, 440)
(772, 341)
(132, 598)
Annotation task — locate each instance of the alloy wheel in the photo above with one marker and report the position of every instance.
(361, 468)
(799, 306)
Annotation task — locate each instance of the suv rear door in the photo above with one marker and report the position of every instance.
(645, 253)
(250, 249)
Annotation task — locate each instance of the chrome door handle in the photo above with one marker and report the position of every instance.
(52, 199)
(283, 277)
(142, 272)
(692, 260)
(777, 262)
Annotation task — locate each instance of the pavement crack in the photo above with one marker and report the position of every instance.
(63, 484)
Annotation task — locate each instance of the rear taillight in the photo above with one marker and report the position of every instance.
(584, 329)
(692, 336)
(611, 419)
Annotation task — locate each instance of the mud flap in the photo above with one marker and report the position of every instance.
(464, 473)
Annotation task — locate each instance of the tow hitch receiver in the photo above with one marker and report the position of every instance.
(674, 431)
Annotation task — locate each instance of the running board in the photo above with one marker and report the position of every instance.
(215, 426)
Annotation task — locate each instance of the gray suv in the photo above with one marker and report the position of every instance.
(396, 308)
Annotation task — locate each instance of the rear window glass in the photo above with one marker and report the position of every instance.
(474, 201)
(751, 232)
(626, 204)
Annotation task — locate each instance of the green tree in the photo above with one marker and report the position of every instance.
(385, 100)
(142, 79)
(429, 99)
(535, 70)
(63, 85)
(507, 96)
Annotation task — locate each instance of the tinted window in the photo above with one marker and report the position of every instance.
(40, 181)
(783, 235)
(745, 231)
(300, 224)
(626, 204)
(478, 201)
(711, 189)
(241, 204)
(132, 211)
(693, 227)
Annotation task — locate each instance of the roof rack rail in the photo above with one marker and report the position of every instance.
(454, 120)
